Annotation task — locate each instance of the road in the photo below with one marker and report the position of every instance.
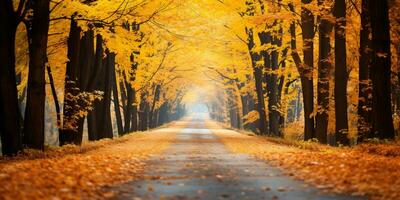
(198, 166)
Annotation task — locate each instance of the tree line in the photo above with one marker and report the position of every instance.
(312, 36)
(94, 82)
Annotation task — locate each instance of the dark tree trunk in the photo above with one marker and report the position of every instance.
(152, 113)
(107, 124)
(86, 64)
(382, 119)
(97, 81)
(129, 107)
(270, 65)
(54, 94)
(341, 74)
(134, 125)
(324, 68)
(78, 80)
(99, 120)
(10, 127)
(130, 116)
(68, 133)
(36, 93)
(306, 71)
(365, 87)
(258, 76)
(143, 113)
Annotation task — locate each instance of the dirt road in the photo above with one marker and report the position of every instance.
(198, 166)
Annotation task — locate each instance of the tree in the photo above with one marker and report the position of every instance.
(382, 120)
(262, 126)
(365, 87)
(341, 74)
(306, 71)
(257, 70)
(68, 131)
(10, 128)
(36, 95)
(97, 79)
(324, 68)
(271, 65)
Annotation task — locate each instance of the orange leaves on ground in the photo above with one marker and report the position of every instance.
(75, 172)
(371, 169)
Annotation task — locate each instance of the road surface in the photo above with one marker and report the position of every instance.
(198, 166)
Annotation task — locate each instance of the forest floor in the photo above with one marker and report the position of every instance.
(200, 159)
(370, 170)
(73, 172)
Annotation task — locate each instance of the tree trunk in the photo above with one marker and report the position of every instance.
(143, 113)
(153, 106)
(68, 134)
(107, 124)
(85, 77)
(306, 72)
(324, 68)
(128, 114)
(116, 102)
(257, 72)
(382, 119)
(36, 93)
(271, 79)
(341, 74)
(54, 94)
(365, 87)
(134, 125)
(96, 83)
(10, 129)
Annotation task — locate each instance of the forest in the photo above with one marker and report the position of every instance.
(75, 74)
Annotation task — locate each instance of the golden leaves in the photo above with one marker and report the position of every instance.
(370, 169)
(73, 172)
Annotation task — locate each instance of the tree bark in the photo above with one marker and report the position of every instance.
(128, 114)
(86, 64)
(341, 74)
(365, 87)
(54, 94)
(134, 125)
(143, 113)
(69, 132)
(382, 120)
(306, 71)
(10, 127)
(324, 68)
(271, 79)
(36, 93)
(97, 81)
(107, 124)
(257, 72)
(156, 97)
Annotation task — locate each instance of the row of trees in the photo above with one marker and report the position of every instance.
(100, 74)
(287, 56)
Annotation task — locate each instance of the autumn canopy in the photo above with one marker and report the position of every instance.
(74, 70)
